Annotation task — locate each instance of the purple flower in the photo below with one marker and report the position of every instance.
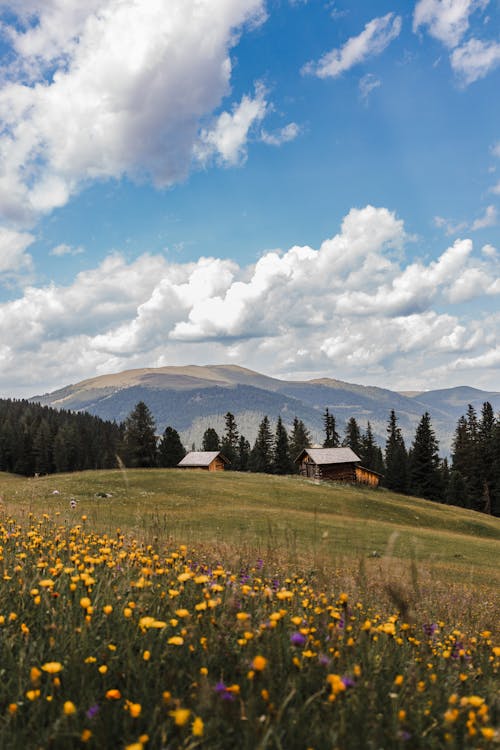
(430, 629)
(93, 711)
(224, 693)
(260, 563)
(297, 639)
(348, 681)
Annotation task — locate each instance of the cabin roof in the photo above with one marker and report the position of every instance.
(329, 455)
(201, 458)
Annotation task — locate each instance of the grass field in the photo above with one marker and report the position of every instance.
(354, 534)
(160, 610)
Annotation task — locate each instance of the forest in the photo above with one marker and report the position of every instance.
(39, 440)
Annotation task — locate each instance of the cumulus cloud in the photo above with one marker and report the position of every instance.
(353, 307)
(13, 256)
(375, 37)
(283, 135)
(228, 138)
(106, 89)
(475, 59)
(64, 249)
(446, 20)
(489, 219)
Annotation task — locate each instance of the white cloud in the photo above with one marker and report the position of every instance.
(489, 250)
(475, 59)
(496, 149)
(449, 227)
(284, 135)
(110, 89)
(489, 219)
(64, 249)
(354, 308)
(228, 138)
(446, 20)
(367, 84)
(495, 189)
(373, 40)
(13, 256)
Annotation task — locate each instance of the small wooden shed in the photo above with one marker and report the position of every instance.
(335, 465)
(208, 460)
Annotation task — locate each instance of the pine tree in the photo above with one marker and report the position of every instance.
(425, 480)
(210, 440)
(243, 453)
(139, 438)
(300, 438)
(261, 456)
(352, 437)
(170, 449)
(282, 463)
(396, 457)
(229, 443)
(332, 439)
(370, 453)
(486, 441)
(42, 448)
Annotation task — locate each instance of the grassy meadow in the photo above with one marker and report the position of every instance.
(169, 609)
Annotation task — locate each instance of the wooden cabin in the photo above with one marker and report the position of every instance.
(335, 465)
(208, 460)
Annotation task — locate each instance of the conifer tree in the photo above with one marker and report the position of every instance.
(210, 440)
(332, 439)
(139, 441)
(243, 453)
(170, 449)
(352, 437)
(371, 453)
(282, 463)
(396, 457)
(425, 479)
(229, 442)
(261, 456)
(300, 438)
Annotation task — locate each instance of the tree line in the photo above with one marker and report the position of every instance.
(37, 439)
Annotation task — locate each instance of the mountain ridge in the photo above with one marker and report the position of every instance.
(192, 397)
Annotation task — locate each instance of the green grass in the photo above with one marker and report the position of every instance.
(321, 526)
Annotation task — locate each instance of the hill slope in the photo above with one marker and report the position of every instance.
(192, 398)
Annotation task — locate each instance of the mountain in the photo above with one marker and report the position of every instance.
(194, 397)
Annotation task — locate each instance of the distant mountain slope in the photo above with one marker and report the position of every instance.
(194, 397)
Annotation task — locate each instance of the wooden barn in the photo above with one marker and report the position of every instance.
(335, 465)
(208, 460)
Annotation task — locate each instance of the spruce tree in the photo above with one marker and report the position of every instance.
(352, 437)
(229, 443)
(332, 439)
(396, 457)
(425, 480)
(210, 440)
(300, 438)
(170, 449)
(282, 463)
(486, 443)
(261, 456)
(139, 438)
(371, 453)
(243, 453)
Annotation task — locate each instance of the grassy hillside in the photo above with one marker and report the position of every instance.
(316, 526)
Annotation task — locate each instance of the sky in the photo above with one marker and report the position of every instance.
(306, 188)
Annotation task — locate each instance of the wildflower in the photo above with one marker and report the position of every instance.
(180, 716)
(107, 609)
(35, 675)
(92, 712)
(85, 602)
(134, 710)
(113, 695)
(12, 708)
(197, 727)
(297, 639)
(86, 735)
(146, 655)
(259, 663)
(69, 708)
(176, 640)
(52, 667)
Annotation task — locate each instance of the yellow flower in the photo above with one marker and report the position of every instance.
(85, 602)
(259, 663)
(52, 667)
(182, 612)
(113, 695)
(488, 733)
(135, 710)
(69, 708)
(86, 735)
(107, 609)
(103, 669)
(398, 680)
(146, 655)
(176, 640)
(13, 708)
(35, 675)
(180, 716)
(198, 727)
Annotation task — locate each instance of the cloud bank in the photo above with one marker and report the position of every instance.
(113, 88)
(354, 308)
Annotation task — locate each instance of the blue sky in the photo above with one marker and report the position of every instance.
(303, 188)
